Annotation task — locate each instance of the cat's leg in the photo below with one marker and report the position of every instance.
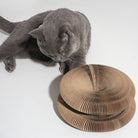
(33, 23)
(63, 67)
(36, 55)
(6, 25)
(10, 63)
(76, 62)
(40, 58)
(7, 56)
(8, 51)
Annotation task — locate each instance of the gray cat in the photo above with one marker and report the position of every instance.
(59, 36)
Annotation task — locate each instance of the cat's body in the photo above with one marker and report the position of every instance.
(61, 36)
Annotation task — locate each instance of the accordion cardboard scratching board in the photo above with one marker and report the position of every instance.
(96, 98)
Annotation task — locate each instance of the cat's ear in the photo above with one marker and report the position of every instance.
(36, 33)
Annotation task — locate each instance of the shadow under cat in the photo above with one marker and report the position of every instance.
(54, 93)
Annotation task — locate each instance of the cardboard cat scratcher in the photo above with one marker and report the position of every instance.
(96, 98)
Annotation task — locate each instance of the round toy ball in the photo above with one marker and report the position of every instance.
(96, 98)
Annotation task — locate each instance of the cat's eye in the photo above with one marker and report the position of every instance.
(64, 52)
(40, 40)
(64, 37)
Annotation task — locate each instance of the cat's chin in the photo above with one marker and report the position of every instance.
(61, 60)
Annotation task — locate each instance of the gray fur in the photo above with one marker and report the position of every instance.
(61, 36)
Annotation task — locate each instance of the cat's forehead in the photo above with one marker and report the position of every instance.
(53, 30)
(57, 18)
(55, 23)
(50, 32)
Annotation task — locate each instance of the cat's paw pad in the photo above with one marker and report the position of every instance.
(10, 64)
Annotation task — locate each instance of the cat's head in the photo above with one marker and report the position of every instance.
(56, 41)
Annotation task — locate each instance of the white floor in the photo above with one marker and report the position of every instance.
(28, 95)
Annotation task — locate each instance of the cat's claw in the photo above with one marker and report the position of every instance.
(10, 64)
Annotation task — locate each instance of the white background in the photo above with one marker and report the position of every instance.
(28, 95)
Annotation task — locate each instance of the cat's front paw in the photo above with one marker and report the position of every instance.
(10, 64)
(62, 67)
